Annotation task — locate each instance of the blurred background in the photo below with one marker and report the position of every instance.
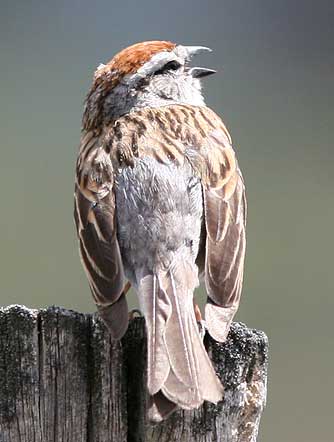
(274, 89)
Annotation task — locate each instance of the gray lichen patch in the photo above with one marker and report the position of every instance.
(244, 351)
(241, 363)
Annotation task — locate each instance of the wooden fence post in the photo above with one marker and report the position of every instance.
(63, 380)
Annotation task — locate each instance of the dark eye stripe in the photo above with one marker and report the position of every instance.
(170, 66)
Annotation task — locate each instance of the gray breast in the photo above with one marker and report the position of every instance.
(159, 215)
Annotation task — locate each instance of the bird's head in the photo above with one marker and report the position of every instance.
(148, 74)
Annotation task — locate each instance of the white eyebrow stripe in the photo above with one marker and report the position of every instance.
(156, 62)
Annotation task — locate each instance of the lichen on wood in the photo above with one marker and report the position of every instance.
(63, 379)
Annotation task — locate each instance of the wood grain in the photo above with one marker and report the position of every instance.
(63, 380)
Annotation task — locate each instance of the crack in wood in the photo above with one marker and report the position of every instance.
(62, 379)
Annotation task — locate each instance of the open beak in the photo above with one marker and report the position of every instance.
(194, 50)
(198, 72)
(201, 72)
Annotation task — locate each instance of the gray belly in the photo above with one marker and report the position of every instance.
(159, 215)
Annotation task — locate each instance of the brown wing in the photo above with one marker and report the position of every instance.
(225, 222)
(225, 218)
(94, 215)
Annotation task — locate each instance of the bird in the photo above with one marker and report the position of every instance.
(160, 205)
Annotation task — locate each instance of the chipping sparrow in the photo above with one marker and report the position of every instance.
(160, 200)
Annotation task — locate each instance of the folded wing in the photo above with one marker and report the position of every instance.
(94, 215)
(225, 222)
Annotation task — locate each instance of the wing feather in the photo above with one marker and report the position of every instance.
(225, 220)
(94, 215)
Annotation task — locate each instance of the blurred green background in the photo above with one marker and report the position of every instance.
(274, 88)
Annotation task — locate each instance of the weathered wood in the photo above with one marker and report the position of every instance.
(241, 364)
(63, 379)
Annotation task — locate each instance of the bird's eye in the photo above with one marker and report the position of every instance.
(170, 66)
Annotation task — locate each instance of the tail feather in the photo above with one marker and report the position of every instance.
(178, 364)
(157, 311)
(160, 407)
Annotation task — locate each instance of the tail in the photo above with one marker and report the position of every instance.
(180, 372)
